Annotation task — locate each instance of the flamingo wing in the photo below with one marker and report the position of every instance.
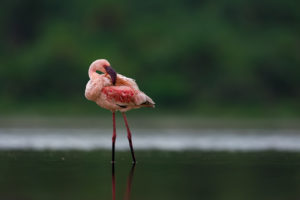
(122, 96)
(125, 81)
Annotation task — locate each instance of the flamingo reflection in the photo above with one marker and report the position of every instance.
(129, 183)
(113, 182)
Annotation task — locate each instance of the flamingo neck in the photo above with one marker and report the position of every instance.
(97, 65)
(92, 72)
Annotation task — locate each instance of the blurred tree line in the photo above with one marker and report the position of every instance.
(181, 53)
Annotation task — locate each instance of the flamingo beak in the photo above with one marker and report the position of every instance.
(112, 73)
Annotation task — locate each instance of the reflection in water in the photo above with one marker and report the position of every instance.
(113, 182)
(129, 183)
(149, 139)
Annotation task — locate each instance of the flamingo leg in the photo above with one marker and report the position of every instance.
(114, 136)
(129, 138)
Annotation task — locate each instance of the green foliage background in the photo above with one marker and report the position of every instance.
(198, 56)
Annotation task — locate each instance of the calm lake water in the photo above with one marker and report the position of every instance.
(39, 163)
(43, 175)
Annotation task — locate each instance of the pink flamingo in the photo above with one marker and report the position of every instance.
(115, 92)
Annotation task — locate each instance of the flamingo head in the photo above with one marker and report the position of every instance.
(112, 73)
(103, 66)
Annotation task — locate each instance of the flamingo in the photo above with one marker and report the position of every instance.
(115, 92)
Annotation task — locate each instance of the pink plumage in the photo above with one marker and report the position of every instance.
(121, 96)
(115, 92)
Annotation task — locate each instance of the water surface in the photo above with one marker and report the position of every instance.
(45, 175)
(46, 163)
(151, 139)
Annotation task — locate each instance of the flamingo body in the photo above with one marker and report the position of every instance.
(122, 96)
